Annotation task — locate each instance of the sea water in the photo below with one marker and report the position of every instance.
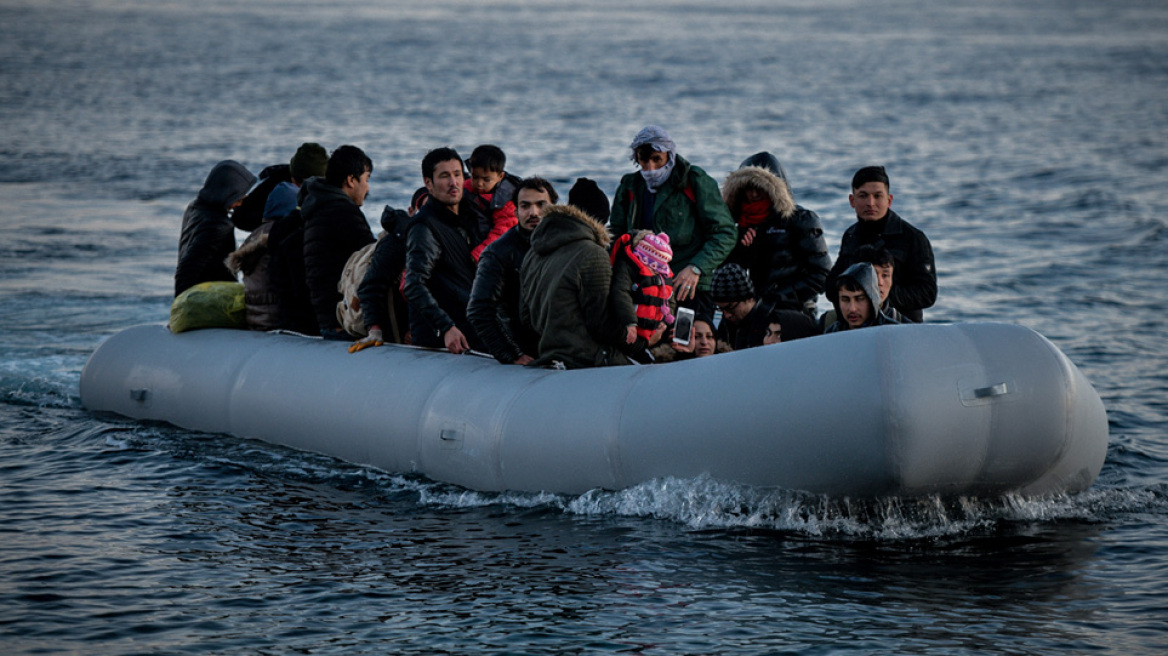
(1028, 140)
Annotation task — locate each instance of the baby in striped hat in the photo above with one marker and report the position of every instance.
(640, 289)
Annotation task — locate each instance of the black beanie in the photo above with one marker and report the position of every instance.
(731, 284)
(310, 160)
(586, 195)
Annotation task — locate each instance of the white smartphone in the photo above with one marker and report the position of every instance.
(683, 326)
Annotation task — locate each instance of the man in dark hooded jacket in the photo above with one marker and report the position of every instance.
(858, 300)
(208, 236)
(565, 283)
(779, 242)
(334, 227)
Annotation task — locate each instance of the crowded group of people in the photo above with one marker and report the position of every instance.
(673, 268)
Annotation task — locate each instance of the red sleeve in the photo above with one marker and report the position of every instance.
(504, 219)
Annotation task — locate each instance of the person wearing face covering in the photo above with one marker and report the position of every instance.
(669, 195)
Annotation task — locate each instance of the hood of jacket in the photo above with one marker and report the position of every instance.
(248, 255)
(316, 193)
(228, 182)
(563, 224)
(864, 275)
(774, 186)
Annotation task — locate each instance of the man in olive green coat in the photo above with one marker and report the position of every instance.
(671, 195)
(565, 280)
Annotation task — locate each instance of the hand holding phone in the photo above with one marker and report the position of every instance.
(683, 326)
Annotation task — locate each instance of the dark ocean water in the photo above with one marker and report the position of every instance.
(1029, 140)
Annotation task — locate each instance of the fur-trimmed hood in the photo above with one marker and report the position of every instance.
(756, 176)
(563, 224)
(248, 255)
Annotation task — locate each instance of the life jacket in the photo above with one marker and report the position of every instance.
(650, 292)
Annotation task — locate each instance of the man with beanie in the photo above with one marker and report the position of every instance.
(495, 296)
(670, 195)
(586, 195)
(744, 316)
(208, 235)
(856, 288)
(253, 259)
(914, 282)
(309, 161)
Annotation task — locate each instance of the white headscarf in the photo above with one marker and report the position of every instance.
(659, 139)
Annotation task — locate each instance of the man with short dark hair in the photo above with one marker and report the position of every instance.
(440, 268)
(885, 266)
(914, 285)
(495, 297)
(334, 228)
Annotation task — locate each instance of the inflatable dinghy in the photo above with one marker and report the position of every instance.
(961, 409)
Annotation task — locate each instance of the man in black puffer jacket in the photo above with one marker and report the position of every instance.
(208, 236)
(495, 297)
(334, 227)
(439, 266)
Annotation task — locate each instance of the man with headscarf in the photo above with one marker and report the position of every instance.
(672, 196)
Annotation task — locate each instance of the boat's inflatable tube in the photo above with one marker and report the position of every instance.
(901, 410)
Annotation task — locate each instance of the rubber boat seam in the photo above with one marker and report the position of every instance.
(501, 424)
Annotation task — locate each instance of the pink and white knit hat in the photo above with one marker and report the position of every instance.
(654, 252)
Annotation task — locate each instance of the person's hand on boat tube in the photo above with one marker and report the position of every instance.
(374, 339)
(685, 284)
(455, 341)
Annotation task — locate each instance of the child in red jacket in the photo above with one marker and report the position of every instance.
(640, 293)
(490, 188)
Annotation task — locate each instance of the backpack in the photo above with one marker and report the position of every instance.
(349, 307)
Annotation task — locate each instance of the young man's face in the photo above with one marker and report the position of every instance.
(446, 185)
(530, 205)
(482, 181)
(883, 279)
(654, 161)
(357, 188)
(774, 333)
(871, 201)
(703, 339)
(855, 307)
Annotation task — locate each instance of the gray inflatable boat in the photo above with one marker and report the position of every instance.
(961, 409)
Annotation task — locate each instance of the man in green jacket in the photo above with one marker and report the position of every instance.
(671, 195)
(564, 285)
